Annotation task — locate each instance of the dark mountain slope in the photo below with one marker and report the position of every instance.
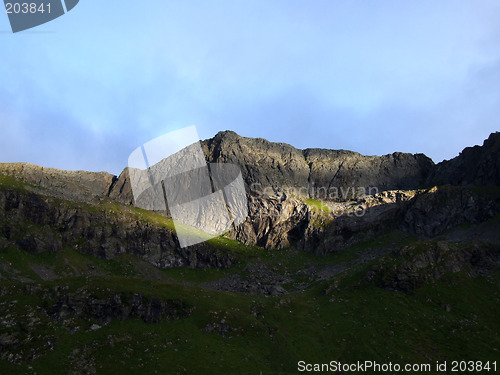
(89, 285)
(280, 165)
(280, 217)
(478, 165)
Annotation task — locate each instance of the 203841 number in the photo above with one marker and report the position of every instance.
(473, 366)
(25, 8)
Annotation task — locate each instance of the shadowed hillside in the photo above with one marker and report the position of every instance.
(91, 284)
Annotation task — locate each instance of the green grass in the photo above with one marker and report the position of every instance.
(108, 212)
(345, 319)
(11, 182)
(356, 321)
(488, 191)
(199, 275)
(316, 204)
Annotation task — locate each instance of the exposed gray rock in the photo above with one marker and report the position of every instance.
(36, 224)
(121, 189)
(280, 165)
(71, 185)
(355, 221)
(278, 179)
(479, 165)
(442, 208)
(272, 222)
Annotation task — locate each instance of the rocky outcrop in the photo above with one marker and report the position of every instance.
(37, 224)
(412, 266)
(121, 189)
(116, 307)
(478, 165)
(71, 185)
(282, 166)
(426, 213)
(355, 221)
(439, 209)
(278, 219)
(273, 222)
(279, 179)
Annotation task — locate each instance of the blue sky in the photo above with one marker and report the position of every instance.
(374, 76)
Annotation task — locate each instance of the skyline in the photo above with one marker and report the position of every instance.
(85, 90)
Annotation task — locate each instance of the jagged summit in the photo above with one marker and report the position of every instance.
(231, 136)
(281, 165)
(478, 165)
(226, 134)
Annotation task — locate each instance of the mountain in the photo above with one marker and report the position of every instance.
(304, 197)
(391, 252)
(279, 165)
(479, 165)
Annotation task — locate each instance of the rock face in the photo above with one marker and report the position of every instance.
(286, 173)
(279, 221)
(274, 221)
(282, 166)
(116, 307)
(121, 189)
(425, 213)
(479, 165)
(279, 179)
(442, 208)
(359, 221)
(37, 224)
(71, 185)
(412, 266)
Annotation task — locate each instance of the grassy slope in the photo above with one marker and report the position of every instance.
(354, 321)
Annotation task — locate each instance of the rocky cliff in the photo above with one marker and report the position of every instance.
(319, 173)
(91, 284)
(386, 192)
(78, 186)
(325, 171)
(38, 223)
(478, 165)
(305, 198)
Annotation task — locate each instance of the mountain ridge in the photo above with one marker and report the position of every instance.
(283, 215)
(89, 283)
(279, 164)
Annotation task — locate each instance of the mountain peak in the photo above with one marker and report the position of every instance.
(478, 165)
(227, 134)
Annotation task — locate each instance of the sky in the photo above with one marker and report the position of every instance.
(372, 76)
